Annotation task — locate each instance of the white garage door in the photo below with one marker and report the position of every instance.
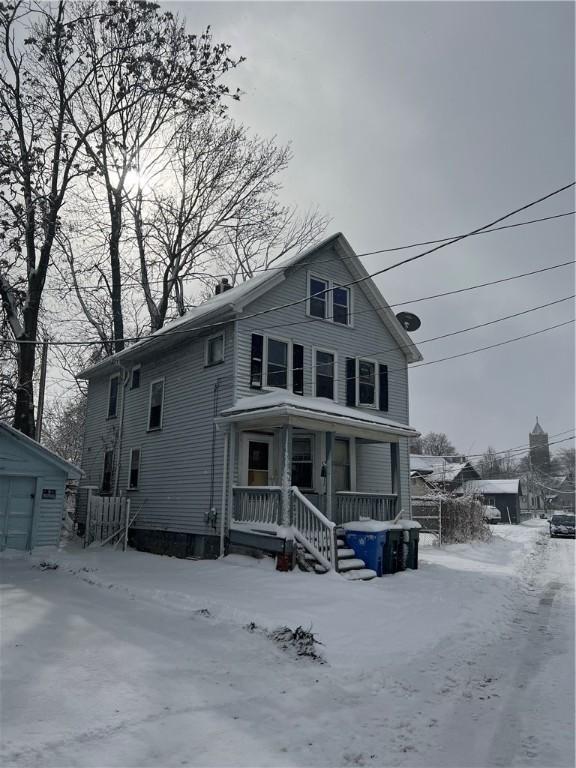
(16, 508)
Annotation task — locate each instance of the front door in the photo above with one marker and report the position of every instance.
(258, 460)
(16, 511)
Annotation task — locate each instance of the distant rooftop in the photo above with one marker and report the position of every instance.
(537, 428)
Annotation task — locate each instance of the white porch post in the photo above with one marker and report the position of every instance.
(329, 512)
(286, 466)
(223, 504)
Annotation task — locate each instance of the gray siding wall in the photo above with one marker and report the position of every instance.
(176, 468)
(367, 337)
(16, 459)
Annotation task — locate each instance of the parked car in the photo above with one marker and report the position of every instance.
(562, 524)
(492, 514)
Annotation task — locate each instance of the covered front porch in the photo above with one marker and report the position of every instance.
(292, 469)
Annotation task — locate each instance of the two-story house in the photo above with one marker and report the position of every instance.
(272, 409)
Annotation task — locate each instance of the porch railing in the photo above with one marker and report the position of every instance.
(257, 504)
(352, 505)
(313, 530)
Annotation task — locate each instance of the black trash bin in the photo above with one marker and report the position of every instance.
(411, 537)
(393, 559)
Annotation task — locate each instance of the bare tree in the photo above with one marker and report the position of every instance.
(155, 72)
(433, 444)
(64, 427)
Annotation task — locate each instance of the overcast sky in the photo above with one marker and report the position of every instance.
(411, 121)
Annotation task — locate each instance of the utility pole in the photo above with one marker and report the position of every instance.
(41, 390)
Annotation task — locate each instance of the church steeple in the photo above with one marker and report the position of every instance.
(539, 449)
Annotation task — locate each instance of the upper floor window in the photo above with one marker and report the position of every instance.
(329, 301)
(156, 405)
(324, 374)
(215, 349)
(366, 382)
(318, 297)
(277, 364)
(135, 378)
(113, 389)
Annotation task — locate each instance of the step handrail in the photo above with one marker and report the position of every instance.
(324, 549)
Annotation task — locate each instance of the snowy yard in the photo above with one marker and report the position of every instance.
(137, 660)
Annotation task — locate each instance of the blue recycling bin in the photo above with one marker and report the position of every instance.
(367, 544)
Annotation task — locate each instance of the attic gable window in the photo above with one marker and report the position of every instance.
(135, 378)
(113, 389)
(329, 301)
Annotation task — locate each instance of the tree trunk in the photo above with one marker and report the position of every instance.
(115, 202)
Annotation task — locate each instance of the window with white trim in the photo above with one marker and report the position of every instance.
(324, 374)
(134, 469)
(277, 372)
(366, 379)
(156, 404)
(113, 390)
(329, 301)
(215, 349)
(302, 463)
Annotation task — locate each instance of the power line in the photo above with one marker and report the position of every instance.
(344, 285)
(200, 275)
(397, 304)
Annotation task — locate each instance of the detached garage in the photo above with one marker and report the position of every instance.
(32, 491)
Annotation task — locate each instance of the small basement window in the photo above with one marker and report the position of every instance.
(107, 473)
(113, 389)
(215, 349)
(156, 404)
(134, 470)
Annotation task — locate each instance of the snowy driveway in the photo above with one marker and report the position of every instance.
(136, 660)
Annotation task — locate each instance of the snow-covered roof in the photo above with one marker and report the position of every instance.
(223, 307)
(436, 468)
(491, 486)
(292, 408)
(72, 470)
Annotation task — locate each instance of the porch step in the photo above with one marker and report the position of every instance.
(351, 564)
(344, 552)
(341, 542)
(362, 574)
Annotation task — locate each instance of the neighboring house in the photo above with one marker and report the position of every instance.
(505, 495)
(294, 378)
(559, 490)
(433, 474)
(32, 491)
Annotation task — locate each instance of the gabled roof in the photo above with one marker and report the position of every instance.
(537, 428)
(437, 469)
(491, 486)
(72, 470)
(231, 303)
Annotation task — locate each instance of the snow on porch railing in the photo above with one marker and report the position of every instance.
(257, 504)
(313, 531)
(352, 505)
(107, 519)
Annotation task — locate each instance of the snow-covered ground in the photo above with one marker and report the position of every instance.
(129, 659)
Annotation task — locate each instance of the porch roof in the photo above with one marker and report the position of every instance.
(275, 409)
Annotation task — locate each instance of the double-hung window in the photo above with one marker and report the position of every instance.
(135, 377)
(277, 364)
(318, 297)
(113, 390)
(324, 374)
(215, 349)
(302, 463)
(341, 305)
(329, 301)
(107, 473)
(156, 405)
(134, 469)
(366, 382)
